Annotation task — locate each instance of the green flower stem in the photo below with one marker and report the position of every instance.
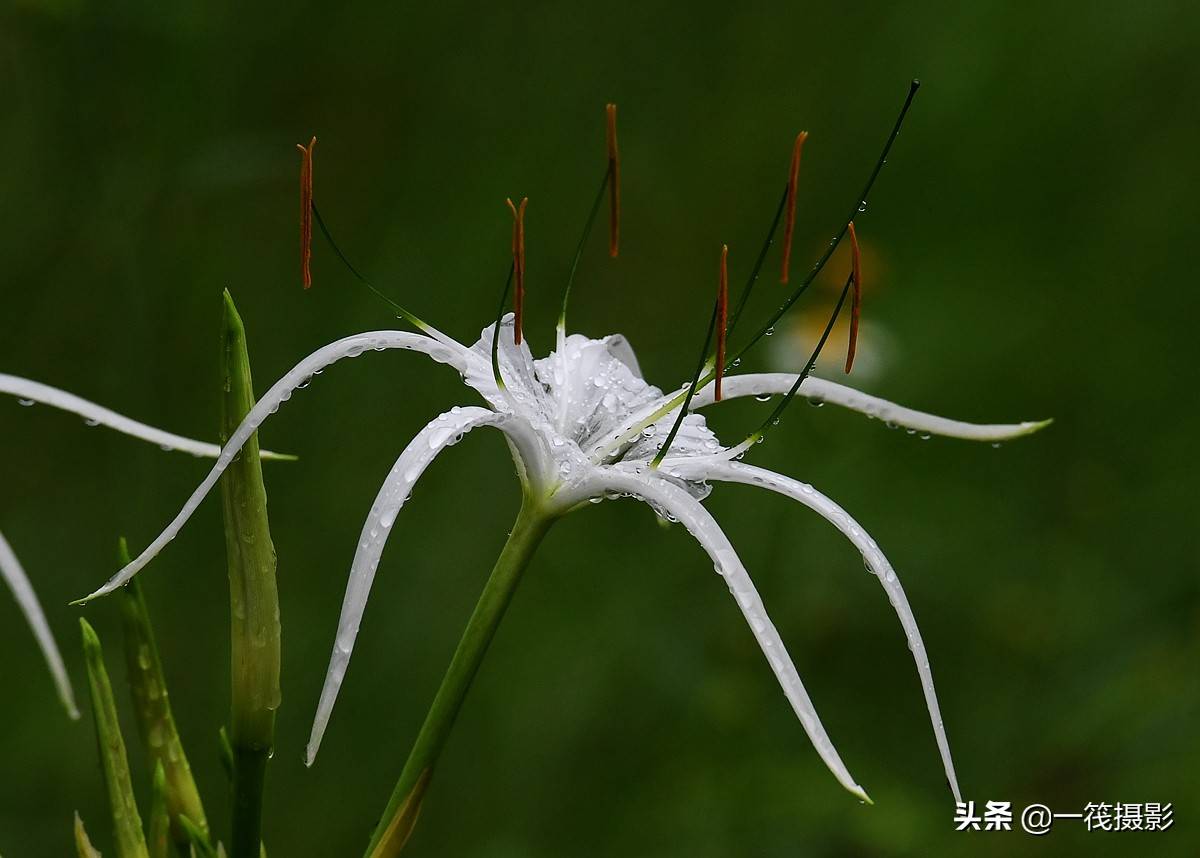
(401, 814)
(152, 707)
(127, 822)
(253, 598)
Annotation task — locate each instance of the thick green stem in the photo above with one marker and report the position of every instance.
(253, 596)
(401, 814)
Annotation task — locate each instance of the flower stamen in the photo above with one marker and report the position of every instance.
(518, 255)
(722, 317)
(703, 366)
(790, 222)
(306, 196)
(856, 306)
(614, 187)
(605, 183)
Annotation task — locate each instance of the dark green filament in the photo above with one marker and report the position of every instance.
(808, 367)
(496, 330)
(587, 231)
(837, 239)
(687, 400)
(400, 311)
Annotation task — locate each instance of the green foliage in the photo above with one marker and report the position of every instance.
(253, 596)
(158, 830)
(152, 708)
(127, 823)
(83, 846)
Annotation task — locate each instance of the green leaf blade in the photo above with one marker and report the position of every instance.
(127, 822)
(152, 707)
(253, 595)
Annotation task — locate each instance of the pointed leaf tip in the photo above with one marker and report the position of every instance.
(127, 822)
(159, 826)
(83, 846)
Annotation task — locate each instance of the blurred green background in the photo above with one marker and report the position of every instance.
(1032, 255)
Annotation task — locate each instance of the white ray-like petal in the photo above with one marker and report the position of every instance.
(693, 516)
(14, 575)
(750, 475)
(29, 392)
(280, 392)
(444, 431)
(821, 390)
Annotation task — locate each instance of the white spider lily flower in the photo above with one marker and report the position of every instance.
(571, 421)
(28, 393)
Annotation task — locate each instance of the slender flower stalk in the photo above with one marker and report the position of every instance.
(152, 708)
(127, 822)
(253, 596)
(533, 521)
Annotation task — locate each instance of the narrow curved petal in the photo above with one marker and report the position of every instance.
(29, 392)
(693, 516)
(818, 389)
(22, 590)
(736, 472)
(444, 431)
(297, 377)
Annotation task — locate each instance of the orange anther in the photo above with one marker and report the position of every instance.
(722, 318)
(790, 222)
(306, 197)
(856, 306)
(518, 255)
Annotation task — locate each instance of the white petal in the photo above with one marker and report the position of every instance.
(22, 590)
(522, 391)
(97, 415)
(818, 389)
(704, 528)
(439, 434)
(748, 474)
(279, 393)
